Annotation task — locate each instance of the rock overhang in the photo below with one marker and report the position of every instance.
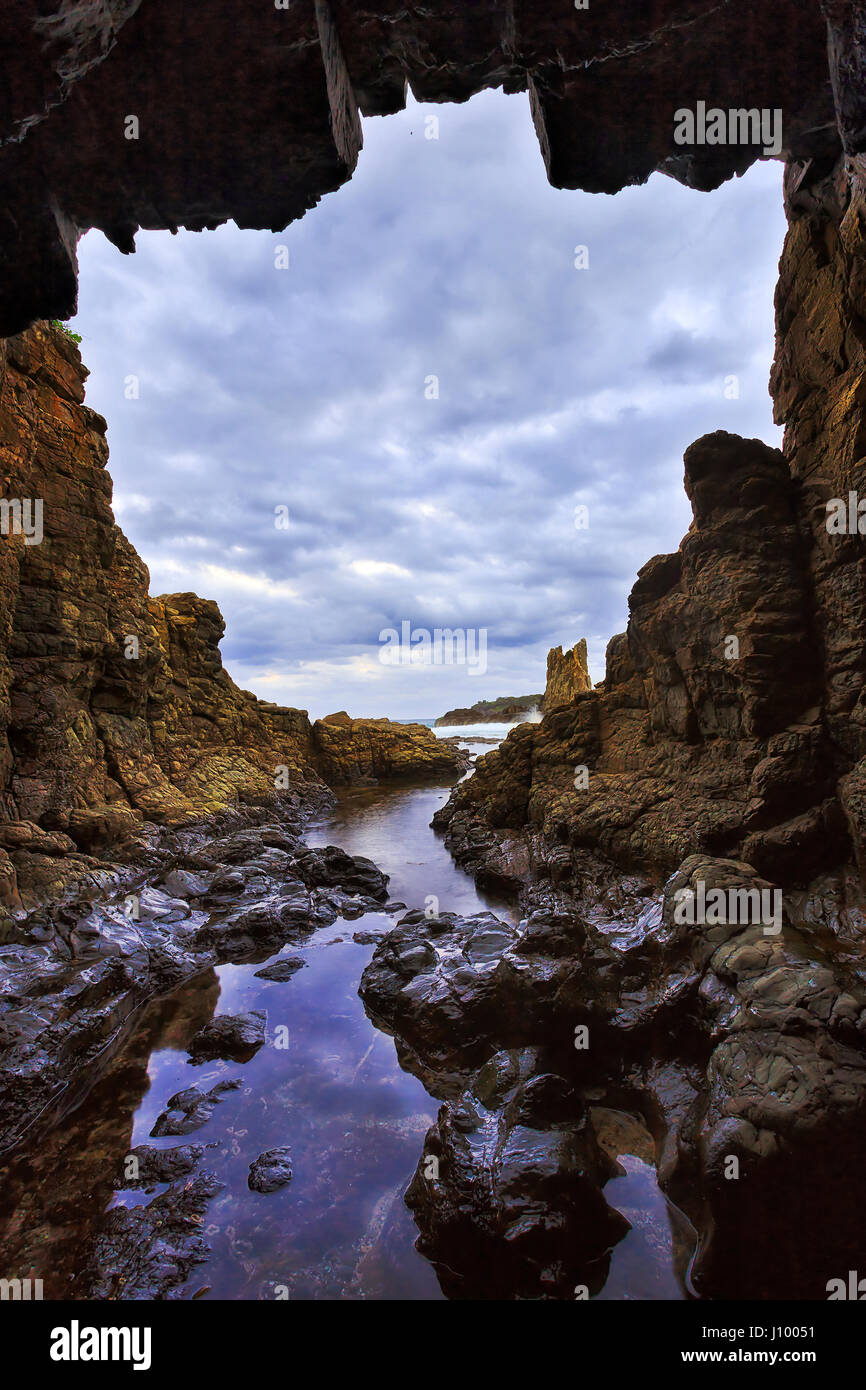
(147, 114)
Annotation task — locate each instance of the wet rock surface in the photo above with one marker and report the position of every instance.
(144, 1121)
(148, 1252)
(271, 1170)
(508, 1190)
(188, 1110)
(725, 1041)
(743, 1042)
(72, 980)
(281, 970)
(152, 1166)
(236, 1037)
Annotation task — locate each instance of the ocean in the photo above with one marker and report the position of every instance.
(467, 731)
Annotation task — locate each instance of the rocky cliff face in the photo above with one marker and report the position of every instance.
(709, 732)
(115, 709)
(363, 750)
(731, 717)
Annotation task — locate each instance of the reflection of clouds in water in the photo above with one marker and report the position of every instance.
(354, 1122)
(392, 827)
(352, 1118)
(650, 1262)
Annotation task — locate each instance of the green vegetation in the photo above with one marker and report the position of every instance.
(507, 702)
(56, 323)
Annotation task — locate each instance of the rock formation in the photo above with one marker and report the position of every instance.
(359, 750)
(508, 709)
(567, 676)
(723, 752)
(72, 978)
(115, 709)
(708, 733)
(737, 1041)
(730, 720)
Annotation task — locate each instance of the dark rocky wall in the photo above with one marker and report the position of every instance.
(251, 113)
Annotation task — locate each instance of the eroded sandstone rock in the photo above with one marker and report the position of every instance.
(567, 676)
(363, 750)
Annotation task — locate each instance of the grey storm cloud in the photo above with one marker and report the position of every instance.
(307, 388)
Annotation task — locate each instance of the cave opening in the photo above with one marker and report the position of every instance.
(450, 396)
(722, 757)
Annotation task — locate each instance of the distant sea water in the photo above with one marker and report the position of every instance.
(466, 731)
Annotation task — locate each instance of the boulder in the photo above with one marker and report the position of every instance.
(271, 1170)
(237, 1037)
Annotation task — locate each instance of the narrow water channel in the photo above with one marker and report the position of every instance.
(334, 1093)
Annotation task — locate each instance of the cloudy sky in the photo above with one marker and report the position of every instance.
(305, 393)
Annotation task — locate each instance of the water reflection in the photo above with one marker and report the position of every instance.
(392, 827)
(652, 1260)
(328, 1085)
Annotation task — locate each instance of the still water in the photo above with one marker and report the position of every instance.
(334, 1093)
